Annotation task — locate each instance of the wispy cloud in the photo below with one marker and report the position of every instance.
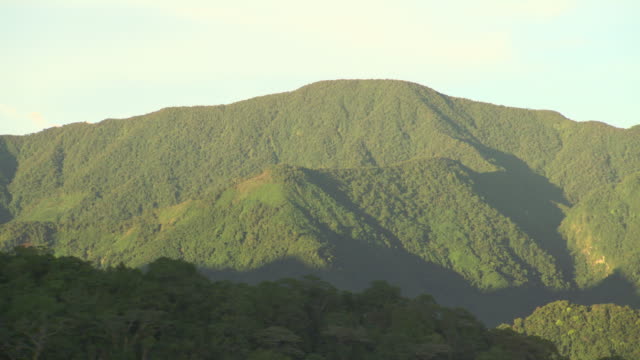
(37, 119)
(366, 30)
(432, 32)
(9, 112)
(520, 9)
(543, 8)
(30, 121)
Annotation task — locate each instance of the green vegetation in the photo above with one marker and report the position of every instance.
(474, 188)
(602, 231)
(586, 332)
(64, 308)
(430, 208)
(292, 212)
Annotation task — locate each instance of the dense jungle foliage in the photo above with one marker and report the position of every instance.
(603, 232)
(64, 308)
(503, 198)
(580, 332)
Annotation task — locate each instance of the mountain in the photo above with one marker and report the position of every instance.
(352, 180)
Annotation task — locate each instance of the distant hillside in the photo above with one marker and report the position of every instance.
(501, 197)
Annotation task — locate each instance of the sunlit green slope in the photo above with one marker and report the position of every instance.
(426, 208)
(603, 232)
(473, 187)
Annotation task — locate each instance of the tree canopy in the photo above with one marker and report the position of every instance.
(64, 308)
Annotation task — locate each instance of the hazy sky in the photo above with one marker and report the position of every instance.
(65, 61)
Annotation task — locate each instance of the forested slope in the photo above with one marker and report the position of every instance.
(312, 174)
(603, 232)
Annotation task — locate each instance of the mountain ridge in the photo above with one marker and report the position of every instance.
(486, 191)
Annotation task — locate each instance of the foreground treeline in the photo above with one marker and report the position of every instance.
(63, 308)
(603, 331)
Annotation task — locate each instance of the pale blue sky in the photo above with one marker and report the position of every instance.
(65, 61)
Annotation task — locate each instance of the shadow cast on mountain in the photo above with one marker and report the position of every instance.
(528, 199)
(8, 168)
(331, 187)
(359, 264)
(504, 305)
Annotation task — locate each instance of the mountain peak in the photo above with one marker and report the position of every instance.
(366, 87)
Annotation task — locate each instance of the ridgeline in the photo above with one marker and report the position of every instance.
(352, 180)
